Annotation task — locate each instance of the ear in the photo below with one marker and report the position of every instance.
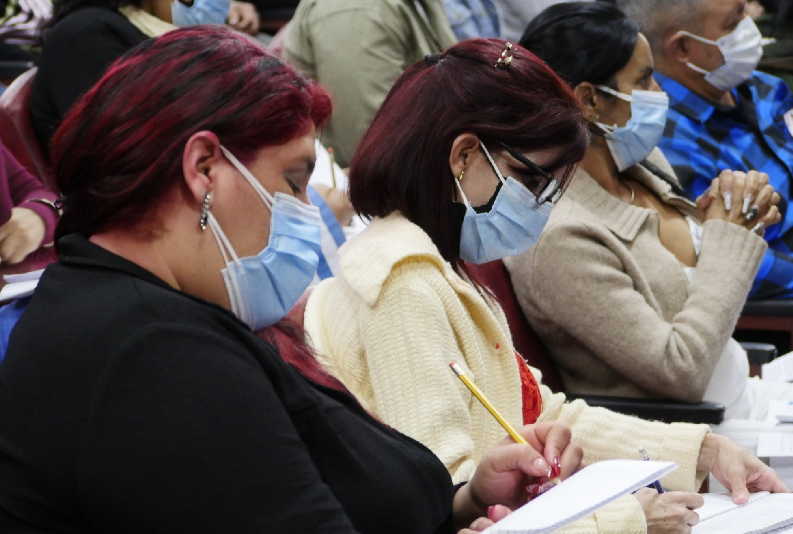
(464, 147)
(587, 96)
(200, 157)
(676, 48)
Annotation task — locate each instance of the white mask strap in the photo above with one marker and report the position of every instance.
(266, 197)
(462, 193)
(698, 38)
(609, 90)
(492, 163)
(223, 242)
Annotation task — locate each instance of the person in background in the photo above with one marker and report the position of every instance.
(83, 38)
(28, 215)
(199, 12)
(516, 14)
(473, 18)
(633, 288)
(476, 184)
(378, 39)
(185, 230)
(260, 16)
(28, 211)
(723, 113)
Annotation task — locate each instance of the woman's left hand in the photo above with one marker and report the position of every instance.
(21, 235)
(737, 469)
(494, 515)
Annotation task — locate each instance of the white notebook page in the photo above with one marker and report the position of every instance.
(581, 494)
(764, 513)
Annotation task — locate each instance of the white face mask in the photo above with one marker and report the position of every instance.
(742, 50)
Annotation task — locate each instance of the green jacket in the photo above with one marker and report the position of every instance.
(357, 49)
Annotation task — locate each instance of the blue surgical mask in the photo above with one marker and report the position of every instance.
(632, 143)
(201, 12)
(512, 226)
(263, 288)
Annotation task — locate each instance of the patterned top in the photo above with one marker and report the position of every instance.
(702, 139)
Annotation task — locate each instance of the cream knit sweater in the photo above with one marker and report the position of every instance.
(614, 306)
(394, 318)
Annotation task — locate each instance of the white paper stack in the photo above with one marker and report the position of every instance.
(764, 513)
(580, 495)
(19, 285)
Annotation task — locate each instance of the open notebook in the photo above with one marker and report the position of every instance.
(580, 495)
(763, 513)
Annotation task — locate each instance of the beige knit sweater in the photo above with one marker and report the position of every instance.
(614, 306)
(395, 317)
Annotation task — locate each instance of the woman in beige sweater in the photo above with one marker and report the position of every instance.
(401, 307)
(633, 289)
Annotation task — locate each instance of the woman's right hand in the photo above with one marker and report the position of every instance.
(741, 198)
(505, 472)
(669, 513)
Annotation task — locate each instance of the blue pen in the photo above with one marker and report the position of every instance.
(655, 485)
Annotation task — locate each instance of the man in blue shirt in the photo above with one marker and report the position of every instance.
(723, 114)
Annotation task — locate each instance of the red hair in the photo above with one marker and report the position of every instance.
(402, 162)
(119, 149)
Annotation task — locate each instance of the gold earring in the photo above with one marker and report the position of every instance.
(460, 176)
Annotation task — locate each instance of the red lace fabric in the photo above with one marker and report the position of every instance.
(530, 392)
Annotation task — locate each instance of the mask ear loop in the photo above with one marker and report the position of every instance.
(607, 129)
(460, 189)
(265, 195)
(622, 96)
(690, 65)
(493, 163)
(226, 250)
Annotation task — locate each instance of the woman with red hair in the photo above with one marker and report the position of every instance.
(463, 163)
(135, 396)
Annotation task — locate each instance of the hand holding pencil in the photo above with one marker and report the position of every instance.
(508, 469)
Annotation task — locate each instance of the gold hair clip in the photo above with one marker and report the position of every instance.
(505, 60)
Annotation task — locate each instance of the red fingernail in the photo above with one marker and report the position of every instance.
(491, 510)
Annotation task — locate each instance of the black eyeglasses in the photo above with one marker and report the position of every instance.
(547, 188)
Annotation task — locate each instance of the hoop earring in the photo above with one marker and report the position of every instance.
(206, 204)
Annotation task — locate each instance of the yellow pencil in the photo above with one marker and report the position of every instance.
(517, 438)
(332, 168)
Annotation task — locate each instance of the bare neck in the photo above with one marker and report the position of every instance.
(599, 164)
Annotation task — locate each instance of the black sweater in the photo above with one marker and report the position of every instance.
(130, 407)
(76, 52)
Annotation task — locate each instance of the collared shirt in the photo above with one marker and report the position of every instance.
(702, 139)
(473, 18)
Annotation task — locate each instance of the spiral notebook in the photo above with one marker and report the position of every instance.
(581, 494)
(764, 513)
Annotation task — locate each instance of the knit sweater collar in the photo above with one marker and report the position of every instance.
(623, 218)
(368, 259)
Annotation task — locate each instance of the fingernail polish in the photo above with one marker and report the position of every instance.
(746, 202)
(491, 511)
(727, 200)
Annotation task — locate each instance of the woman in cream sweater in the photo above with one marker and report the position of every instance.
(633, 289)
(401, 307)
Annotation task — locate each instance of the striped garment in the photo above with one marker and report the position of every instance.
(22, 20)
(703, 139)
